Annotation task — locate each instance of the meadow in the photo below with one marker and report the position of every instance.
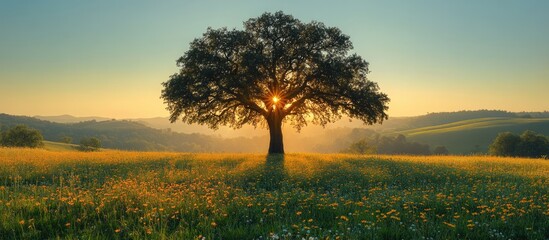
(146, 195)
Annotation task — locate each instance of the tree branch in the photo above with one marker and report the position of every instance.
(247, 102)
(296, 104)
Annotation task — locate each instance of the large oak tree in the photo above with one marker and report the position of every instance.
(276, 70)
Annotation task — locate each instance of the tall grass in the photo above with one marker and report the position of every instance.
(121, 195)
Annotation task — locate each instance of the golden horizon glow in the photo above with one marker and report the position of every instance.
(435, 61)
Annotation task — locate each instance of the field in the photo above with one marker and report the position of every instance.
(57, 146)
(121, 195)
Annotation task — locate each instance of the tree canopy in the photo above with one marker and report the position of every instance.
(21, 136)
(528, 144)
(440, 150)
(277, 69)
(388, 145)
(90, 144)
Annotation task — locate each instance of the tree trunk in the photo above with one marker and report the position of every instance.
(276, 145)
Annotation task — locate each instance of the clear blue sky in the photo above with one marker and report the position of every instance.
(109, 58)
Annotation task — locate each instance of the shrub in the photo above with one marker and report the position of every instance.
(66, 139)
(441, 150)
(360, 147)
(90, 144)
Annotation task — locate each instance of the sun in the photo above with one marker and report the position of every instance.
(275, 99)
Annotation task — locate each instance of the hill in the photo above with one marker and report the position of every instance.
(432, 119)
(464, 132)
(474, 135)
(70, 119)
(114, 134)
(461, 132)
(59, 147)
(390, 125)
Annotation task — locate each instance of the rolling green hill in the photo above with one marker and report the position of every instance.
(135, 136)
(64, 147)
(124, 135)
(461, 132)
(473, 135)
(59, 147)
(473, 124)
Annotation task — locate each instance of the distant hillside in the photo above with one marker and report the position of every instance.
(475, 134)
(70, 119)
(223, 131)
(163, 123)
(126, 135)
(461, 132)
(432, 119)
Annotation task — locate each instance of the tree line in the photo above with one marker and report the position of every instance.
(24, 136)
(392, 145)
(528, 144)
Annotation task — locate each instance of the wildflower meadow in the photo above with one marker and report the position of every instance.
(144, 195)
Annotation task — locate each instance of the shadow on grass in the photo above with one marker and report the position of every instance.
(267, 176)
(273, 172)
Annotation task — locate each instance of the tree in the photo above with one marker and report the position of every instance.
(22, 136)
(441, 150)
(90, 144)
(360, 147)
(505, 144)
(532, 145)
(528, 144)
(277, 69)
(388, 145)
(66, 139)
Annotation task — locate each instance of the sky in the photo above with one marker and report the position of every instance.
(108, 58)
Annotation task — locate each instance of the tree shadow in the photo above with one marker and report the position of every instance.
(273, 172)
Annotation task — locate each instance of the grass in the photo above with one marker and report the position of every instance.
(129, 195)
(65, 147)
(57, 146)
